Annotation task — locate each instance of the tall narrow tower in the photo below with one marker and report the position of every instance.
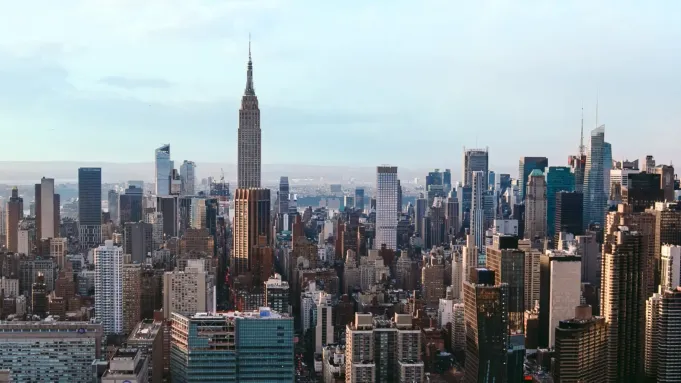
(249, 134)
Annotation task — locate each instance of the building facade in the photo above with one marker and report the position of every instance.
(109, 287)
(386, 207)
(249, 146)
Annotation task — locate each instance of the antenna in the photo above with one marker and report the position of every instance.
(249, 46)
(597, 108)
(581, 138)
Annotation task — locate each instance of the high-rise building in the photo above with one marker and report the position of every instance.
(643, 191)
(486, 321)
(109, 287)
(14, 212)
(666, 173)
(567, 216)
(49, 351)
(623, 296)
(558, 179)
(277, 294)
(595, 199)
(577, 165)
(532, 274)
(589, 248)
(39, 296)
(474, 160)
(168, 206)
(283, 202)
(386, 207)
(127, 365)
(670, 267)
(251, 221)
(147, 336)
(580, 346)
(619, 178)
(130, 205)
(90, 207)
(535, 206)
(477, 215)
(163, 170)
(132, 295)
(113, 206)
(248, 164)
(667, 225)
(138, 240)
(433, 279)
(324, 325)
(607, 166)
(563, 291)
(359, 199)
(46, 209)
(189, 291)
(525, 167)
(236, 346)
(188, 178)
(508, 264)
(663, 336)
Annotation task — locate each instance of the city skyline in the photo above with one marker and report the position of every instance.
(339, 82)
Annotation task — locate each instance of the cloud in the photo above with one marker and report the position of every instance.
(135, 83)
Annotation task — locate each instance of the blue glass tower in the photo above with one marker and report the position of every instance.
(558, 179)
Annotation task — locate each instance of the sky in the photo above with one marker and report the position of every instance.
(401, 82)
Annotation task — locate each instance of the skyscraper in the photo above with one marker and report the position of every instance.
(359, 199)
(163, 170)
(607, 166)
(474, 160)
(595, 199)
(568, 214)
(386, 207)
(248, 164)
(525, 167)
(130, 205)
(486, 322)
(558, 179)
(14, 213)
(109, 287)
(508, 264)
(251, 221)
(46, 208)
(580, 346)
(663, 336)
(113, 203)
(623, 295)
(535, 206)
(188, 178)
(479, 185)
(90, 207)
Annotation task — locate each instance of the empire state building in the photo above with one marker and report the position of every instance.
(249, 134)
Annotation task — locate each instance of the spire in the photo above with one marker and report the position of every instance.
(581, 138)
(250, 90)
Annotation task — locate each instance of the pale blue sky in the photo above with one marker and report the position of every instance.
(352, 82)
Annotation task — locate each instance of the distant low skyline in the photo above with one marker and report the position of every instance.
(357, 84)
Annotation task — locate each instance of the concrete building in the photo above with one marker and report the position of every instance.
(163, 171)
(532, 273)
(9, 287)
(138, 240)
(109, 287)
(46, 209)
(563, 290)
(188, 292)
(14, 212)
(458, 328)
(249, 145)
(508, 264)
(386, 207)
(535, 206)
(667, 176)
(580, 346)
(505, 227)
(663, 336)
(333, 364)
(127, 365)
(49, 351)
(277, 294)
(623, 296)
(89, 207)
(147, 337)
(132, 295)
(230, 346)
(433, 278)
(324, 329)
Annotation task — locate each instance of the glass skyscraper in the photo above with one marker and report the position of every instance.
(163, 170)
(595, 200)
(558, 179)
(526, 166)
(90, 206)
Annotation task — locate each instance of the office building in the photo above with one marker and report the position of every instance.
(643, 191)
(248, 164)
(130, 205)
(113, 206)
(147, 336)
(168, 206)
(477, 215)
(619, 178)
(90, 207)
(577, 165)
(138, 240)
(595, 199)
(433, 279)
(663, 336)
(163, 170)
(251, 221)
(525, 167)
(535, 206)
(359, 199)
(132, 295)
(590, 250)
(532, 274)
(623, 296)
(49, 351)
(109, 287)
(420, 210)
(558, 179)
(47, 210)
(14, 212)
(474, 160)
(9, 287)
(670, 267)
(667, 176)
(607, 166)
(127, 365)
(580, 346)
(277, 294)
(188, 178)
(508, 264)
(324, 326)
(568, 212)
(486, 321)
(39, 293)
(189, 291)
(667, 225)
(232, 347)
(386, 207)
